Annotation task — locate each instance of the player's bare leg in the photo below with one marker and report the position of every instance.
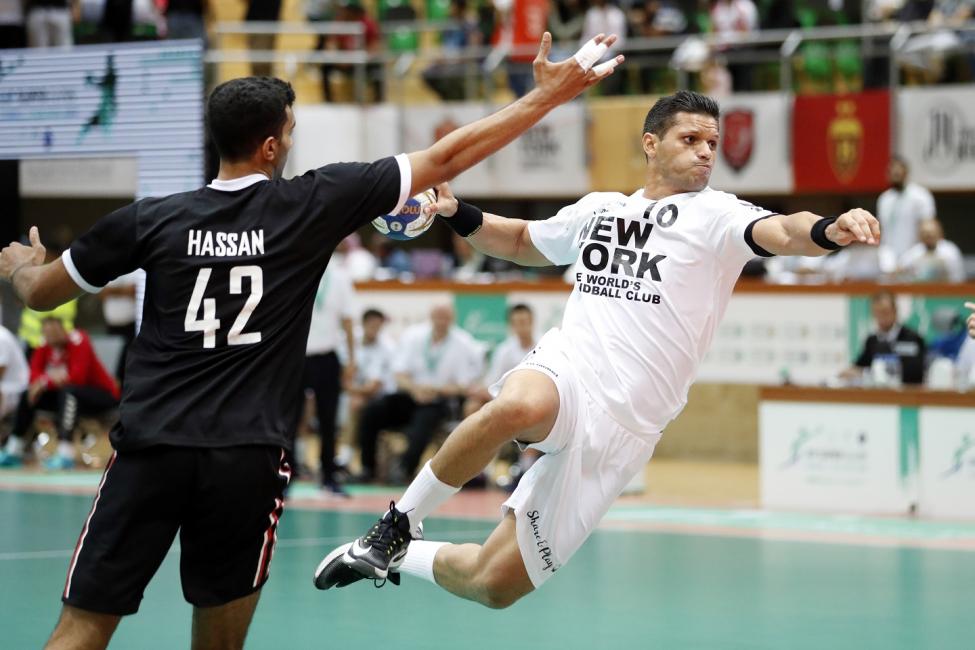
(78, 629)
(223, 627)
(525, 410)
(493, 575)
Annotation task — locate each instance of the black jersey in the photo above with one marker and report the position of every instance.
(231, 277)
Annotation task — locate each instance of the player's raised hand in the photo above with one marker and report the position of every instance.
(446, 205)
(857, 225)
(16, 255)
(562, 81)
(971, 319)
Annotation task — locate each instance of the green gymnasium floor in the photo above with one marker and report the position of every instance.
(667, 578)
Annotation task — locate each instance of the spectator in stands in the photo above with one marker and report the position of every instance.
(508, 354)
(971, 319)
(352, 11)
(14, 374)
(565, 22)
(605, 17)
(359, 263)
(332, 316)
(965, 364)
(447, 75)
(393, 261)
(656, 18)
(50, 22)
(374, 368)
(861, 263)
(469, 263)
(435, 366)
(902, 208)
(118, 309)
(795, 270)
(65, 377)
(891, 338)
(30, 330)
(262, 11)
(730, 19)
(12, 32)
(934, 258)
(187, 19)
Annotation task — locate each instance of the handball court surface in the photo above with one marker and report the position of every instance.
(692, 565)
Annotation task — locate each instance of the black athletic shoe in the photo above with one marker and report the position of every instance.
(383, 548)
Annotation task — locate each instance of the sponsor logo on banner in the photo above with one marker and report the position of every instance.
(737, 137)
(845, 141)
(948, 138)
(962, 459)
(841, 142)
(817, 449)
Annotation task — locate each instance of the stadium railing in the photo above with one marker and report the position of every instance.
(680, 55)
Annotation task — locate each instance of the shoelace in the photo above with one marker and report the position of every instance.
(386, 536)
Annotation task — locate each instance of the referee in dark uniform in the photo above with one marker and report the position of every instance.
(213, 379)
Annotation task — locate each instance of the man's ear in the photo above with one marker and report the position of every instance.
(269, 148)
(650, 142)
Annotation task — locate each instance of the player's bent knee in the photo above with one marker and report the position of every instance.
(498, 591)
(519, 413)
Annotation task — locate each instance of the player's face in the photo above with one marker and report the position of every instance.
(685, 156)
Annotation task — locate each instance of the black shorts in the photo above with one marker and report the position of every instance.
(225, 503)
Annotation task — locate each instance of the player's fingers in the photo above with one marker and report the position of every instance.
(864, 224)
(544, 48)
(590, 53)
(606, 68)
(35, 237)
(853, 227)
(874, 226)
(970, 305)
(609, 40)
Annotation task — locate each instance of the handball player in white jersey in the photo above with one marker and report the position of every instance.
(653, 274)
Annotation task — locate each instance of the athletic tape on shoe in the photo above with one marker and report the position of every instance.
(605, 66)
(589, 53)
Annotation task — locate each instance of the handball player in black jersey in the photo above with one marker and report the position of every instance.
(212, 383)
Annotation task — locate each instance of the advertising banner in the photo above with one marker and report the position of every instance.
(937, 135)
(845, 457)
(617, 162)
(143, 101)
(753, 153)
(841, 143)
(947, 448)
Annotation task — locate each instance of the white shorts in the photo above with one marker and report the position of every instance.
(589, 459)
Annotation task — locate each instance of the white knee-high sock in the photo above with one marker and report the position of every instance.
(419, 559)
(424, 495)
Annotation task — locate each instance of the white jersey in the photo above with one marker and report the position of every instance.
(652, 280)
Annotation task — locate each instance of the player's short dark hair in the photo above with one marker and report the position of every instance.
(520, 307)
(242, 113)
(661, 115)
(372, 313)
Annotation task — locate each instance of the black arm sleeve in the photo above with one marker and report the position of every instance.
(866, 355)
(108, 250)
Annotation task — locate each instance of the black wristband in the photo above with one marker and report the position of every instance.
(467, 221)
(818, 234)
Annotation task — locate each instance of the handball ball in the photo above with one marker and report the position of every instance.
(410, 222)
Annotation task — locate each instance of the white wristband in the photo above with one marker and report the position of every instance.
(590, 53)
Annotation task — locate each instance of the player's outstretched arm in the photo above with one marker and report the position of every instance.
(40, 286)
(555, 83)
(805, 233)
(497, 236)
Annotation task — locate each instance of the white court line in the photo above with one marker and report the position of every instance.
(296, 542)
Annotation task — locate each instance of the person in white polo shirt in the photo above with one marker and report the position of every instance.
(934, 258)
(902, 208)
(14, 373)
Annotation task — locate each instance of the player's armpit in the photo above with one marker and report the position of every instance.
(46, 286)
(507, 239)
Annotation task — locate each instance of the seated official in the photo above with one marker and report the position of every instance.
(436, 364)
(892, 338)
(14, 374)
(67, 378)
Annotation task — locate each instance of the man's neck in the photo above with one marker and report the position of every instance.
(438, 337)
(525, 342)
(656, 188)
(231, 170)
